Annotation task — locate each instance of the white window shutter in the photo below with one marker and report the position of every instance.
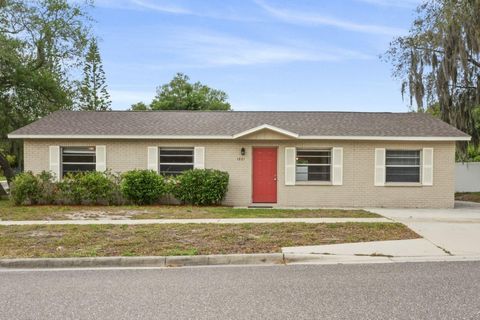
(427, 166)
(101, 158)
(337, 168)
(54, 162)
(290, 154)
(379, 166)
(199, 158)
(152, 159)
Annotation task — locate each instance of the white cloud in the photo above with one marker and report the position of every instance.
(306, 18)
(408, 4)
(207, 49)
(162, 7)
(198, 9)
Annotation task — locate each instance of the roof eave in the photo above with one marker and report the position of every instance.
(230, 137)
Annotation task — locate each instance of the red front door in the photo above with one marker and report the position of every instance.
(265, 175)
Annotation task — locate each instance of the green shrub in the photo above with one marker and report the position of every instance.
(71, 190)
(201, 186)
(143, 186)
(25, 189)
(89, 187)
(48, 188)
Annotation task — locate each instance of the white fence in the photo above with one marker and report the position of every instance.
(467, 177)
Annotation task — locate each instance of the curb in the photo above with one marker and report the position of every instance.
(148, 261)
(216, 260)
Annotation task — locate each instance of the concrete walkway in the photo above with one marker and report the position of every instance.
(186, 221)
(456, 230)
(394, 248)
(447, 234)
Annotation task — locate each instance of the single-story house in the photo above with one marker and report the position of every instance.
(284, 159)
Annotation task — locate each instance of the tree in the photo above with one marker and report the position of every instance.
(41, 41)
(179, 94)
(139, 106)
(438, 62)
(93, 91)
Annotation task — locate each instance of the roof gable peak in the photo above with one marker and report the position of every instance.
(267, 127)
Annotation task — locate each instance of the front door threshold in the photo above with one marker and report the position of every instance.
(260, 206)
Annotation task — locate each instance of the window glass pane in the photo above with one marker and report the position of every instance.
(174, 169)
(314, 153)
(175, 152)
(313, 165)
(313, 159)
(313, 173)
(402, 166)
(403, 153)
(78, 159)
(73, 168)
(403, 174)
(302, 173)
(175, 159)
(78, 149)
(403, 158)
(316, 173)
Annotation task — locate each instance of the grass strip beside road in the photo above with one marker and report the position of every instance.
(8, 211)
(184, 239)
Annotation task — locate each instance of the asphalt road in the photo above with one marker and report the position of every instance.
(435, 290)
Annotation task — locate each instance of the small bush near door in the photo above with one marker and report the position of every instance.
(201, 186)
(143, 186)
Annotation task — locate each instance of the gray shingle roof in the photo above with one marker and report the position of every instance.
(213, 123)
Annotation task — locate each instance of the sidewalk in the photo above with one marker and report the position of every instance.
(393, 248)
(187, 221)
(457, 230)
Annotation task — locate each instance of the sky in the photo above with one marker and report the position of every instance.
(318, 55)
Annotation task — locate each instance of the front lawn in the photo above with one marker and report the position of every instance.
(184, 239)
(8, 211)
(468, 196)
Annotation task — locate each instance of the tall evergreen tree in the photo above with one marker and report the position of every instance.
(93, 91)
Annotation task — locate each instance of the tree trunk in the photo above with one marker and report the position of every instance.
(7, 170)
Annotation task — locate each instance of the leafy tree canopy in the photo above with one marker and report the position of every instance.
(180, 94)
(438, 62)
(139, 106)
(41, 42)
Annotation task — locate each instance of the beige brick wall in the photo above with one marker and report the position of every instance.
(358, 188)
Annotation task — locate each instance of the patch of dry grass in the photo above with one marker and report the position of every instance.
(468, 196)
(184, 239)
(8, 211)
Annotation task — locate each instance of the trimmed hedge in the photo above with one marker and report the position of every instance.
(201, 186)
(143, 186)
(89, 188)
(197, 187)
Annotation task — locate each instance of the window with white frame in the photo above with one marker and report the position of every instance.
(313, 165)
(78, 159)
(174, 161)
(402, 166)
